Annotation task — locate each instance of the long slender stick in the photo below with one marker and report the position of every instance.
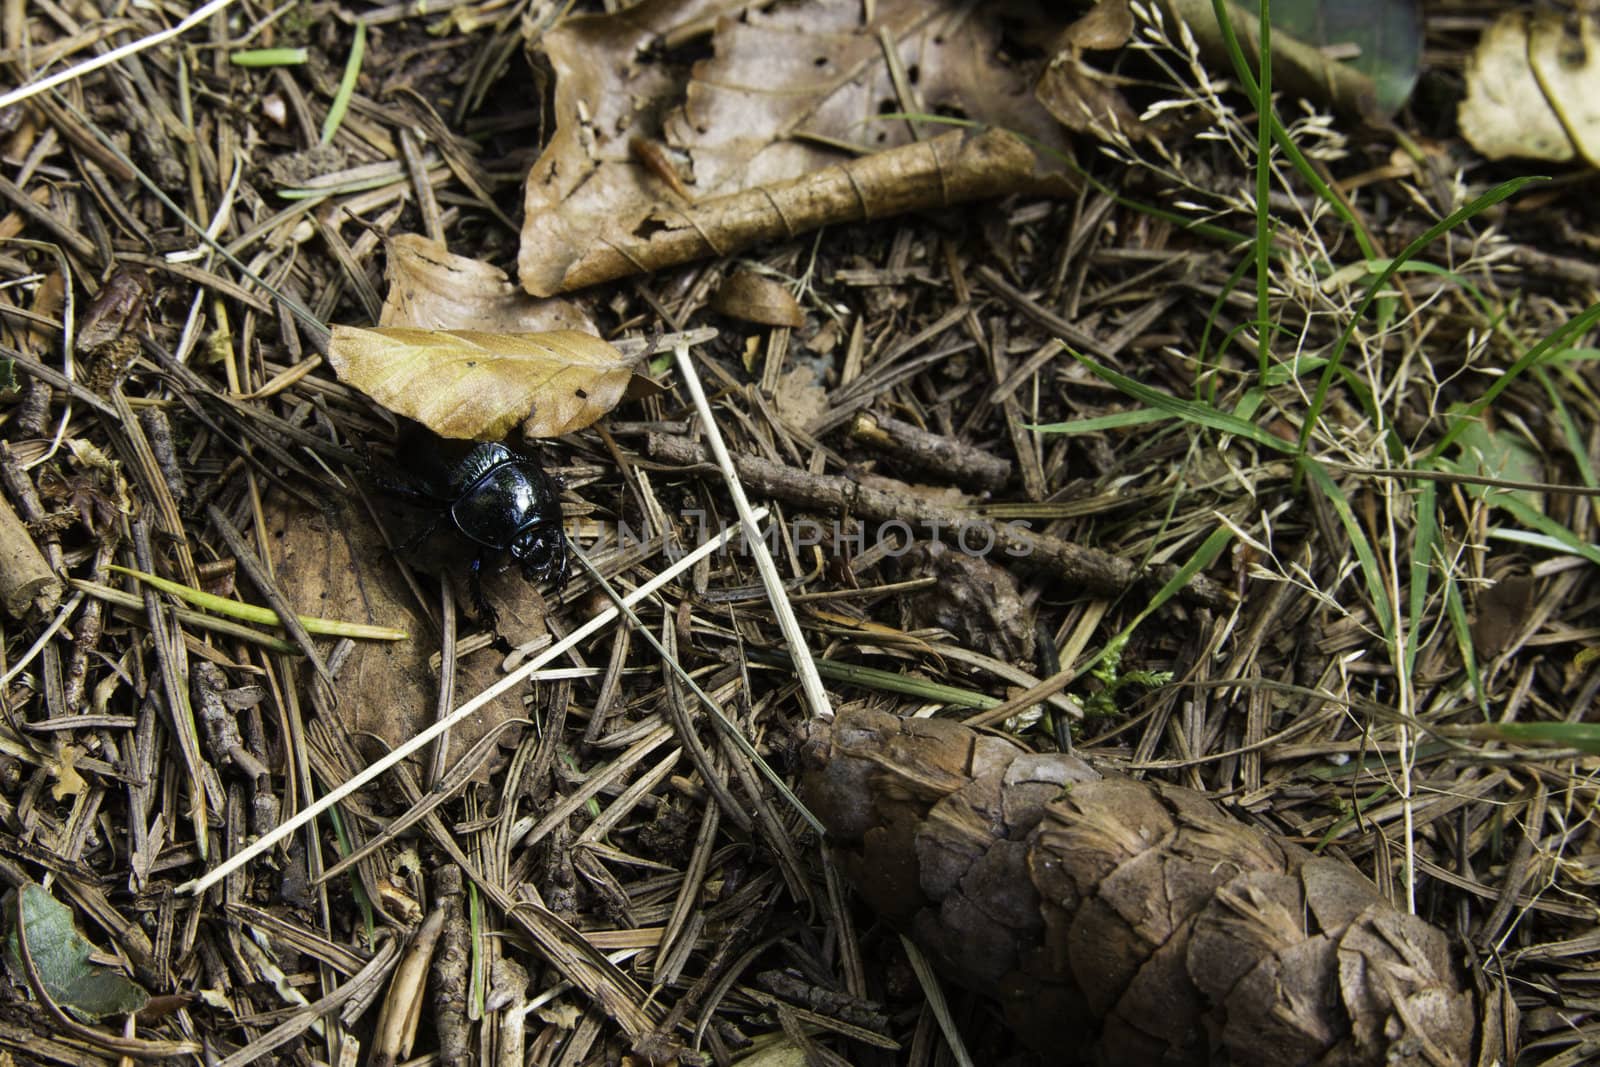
(33, 88)
(516, 677)
(810, 681)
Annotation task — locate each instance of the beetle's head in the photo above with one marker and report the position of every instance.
(541, 549)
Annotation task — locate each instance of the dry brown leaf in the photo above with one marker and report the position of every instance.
(1081, 97)
(751, 297)
(1502, 612)
(433, 289)
(767, 130)
(799, 397)
(477, 385)
(386, 689)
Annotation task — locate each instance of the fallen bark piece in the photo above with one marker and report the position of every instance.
(25, 578)
(1131, 922)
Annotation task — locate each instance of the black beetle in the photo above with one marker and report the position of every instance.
(499, 499)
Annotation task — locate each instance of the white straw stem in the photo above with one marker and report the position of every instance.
(33, 88)
(810, 680)
(521, 674)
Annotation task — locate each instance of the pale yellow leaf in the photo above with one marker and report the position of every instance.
(1564, 59)
(477, 385)
(1505, 112)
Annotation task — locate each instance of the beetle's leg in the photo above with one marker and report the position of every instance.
(397, 484)
(561, 567)
(484, 612)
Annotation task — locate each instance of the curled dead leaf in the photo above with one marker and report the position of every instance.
(433, 289)
(1081, 97)
(477, 385)
(768, 133)
(749, 296)
(387, 690)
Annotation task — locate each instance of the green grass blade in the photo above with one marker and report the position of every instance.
(268, 57)
(1365, 556)
(1205, 380)
(347, 84)
(1525, 514)
(1461, 626)
(1188, 410)
(1584, 736)
(1265, 118)
(1552, 345)
(236, 609)
(1570, 434)
(1424, 548)
(1119, 421)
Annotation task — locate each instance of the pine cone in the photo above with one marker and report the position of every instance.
(1130, 922)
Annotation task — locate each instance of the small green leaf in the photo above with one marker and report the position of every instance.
(61, 956)
(1502, 454)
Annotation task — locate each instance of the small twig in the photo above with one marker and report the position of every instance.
(810, 682)
(510, 681)
(957, 461)
(1092, 569)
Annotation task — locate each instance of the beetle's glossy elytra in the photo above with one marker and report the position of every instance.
(505, 501)
(498, 499)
